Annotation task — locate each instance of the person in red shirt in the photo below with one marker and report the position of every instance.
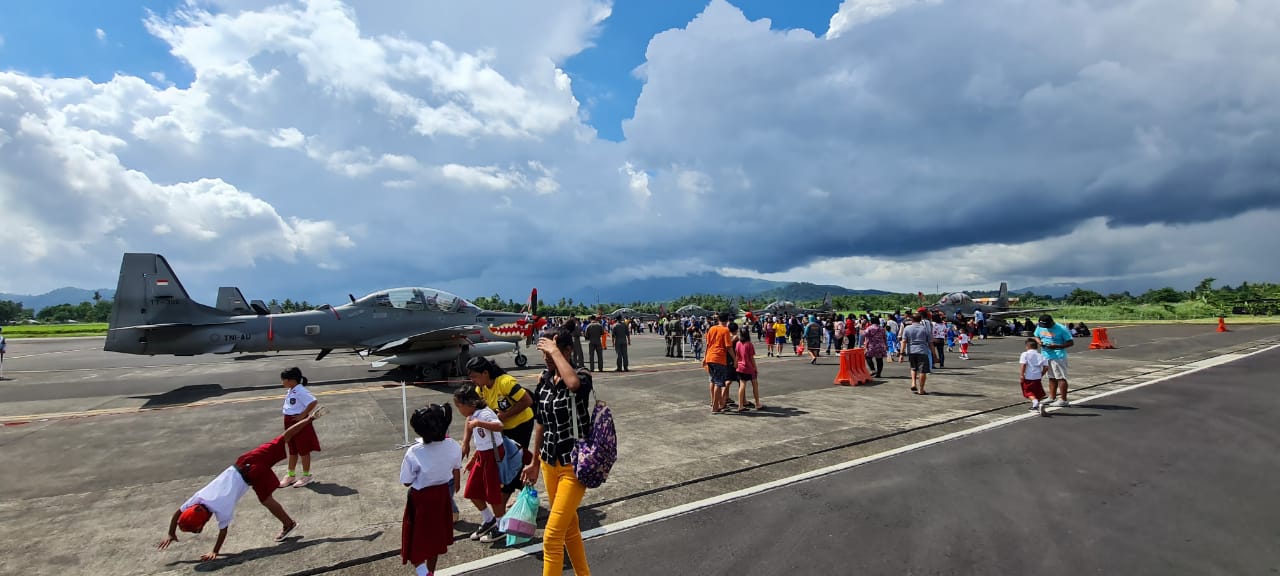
(719, 355)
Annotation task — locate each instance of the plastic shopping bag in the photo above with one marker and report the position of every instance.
(521, 522)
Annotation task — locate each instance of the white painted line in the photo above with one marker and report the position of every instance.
(532, 549)
(46, 353)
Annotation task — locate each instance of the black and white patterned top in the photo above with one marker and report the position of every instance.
(551, 410)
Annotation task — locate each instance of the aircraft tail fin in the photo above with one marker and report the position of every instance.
(231, 300)
(826, 302)
(1002, 302)
(148, 293)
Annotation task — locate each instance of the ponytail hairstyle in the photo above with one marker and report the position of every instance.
(431, 422)
(482, 364)
(744, 335)
(468, 396)
(294, 374)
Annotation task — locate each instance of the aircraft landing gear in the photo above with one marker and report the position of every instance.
(521, 360)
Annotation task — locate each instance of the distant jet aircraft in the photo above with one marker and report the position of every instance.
(996, 313)
(622, 313)
(697, 311)
(788, 308)
(431, 331)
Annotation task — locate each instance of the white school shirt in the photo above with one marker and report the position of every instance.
(1035, 364)
(297, 400)
(964, 338)
(221, 495)
(485, 439)
(430, 464)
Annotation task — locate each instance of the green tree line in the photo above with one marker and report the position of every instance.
(1249, 297)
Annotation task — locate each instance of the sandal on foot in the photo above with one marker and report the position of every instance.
(286, 532)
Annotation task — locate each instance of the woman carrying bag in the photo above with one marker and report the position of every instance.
(562, 393)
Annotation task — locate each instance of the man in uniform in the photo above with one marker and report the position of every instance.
(577, 360)
(662, 329)
(621, 340)
(675, 331)
(595, 344)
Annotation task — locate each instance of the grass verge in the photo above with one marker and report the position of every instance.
(55, 330)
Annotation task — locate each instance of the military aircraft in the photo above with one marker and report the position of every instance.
(788, 308)
(996, 313)
(428, 330)
(642, 316)
(695, 311)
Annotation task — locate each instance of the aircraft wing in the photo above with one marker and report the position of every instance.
(427, 340)
(175, 325)
(1028, 312)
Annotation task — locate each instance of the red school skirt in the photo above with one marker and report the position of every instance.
(255, 467)
(1033, 389)
(305, 441)
(483, 480)
(427, 527)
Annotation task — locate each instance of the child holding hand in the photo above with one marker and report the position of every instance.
(484, 481)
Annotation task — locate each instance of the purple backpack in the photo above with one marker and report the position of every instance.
(593, 455)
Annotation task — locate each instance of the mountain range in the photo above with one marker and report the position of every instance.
(672, 287)
(67, 295)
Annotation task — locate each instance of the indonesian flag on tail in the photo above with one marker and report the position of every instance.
(162, 282)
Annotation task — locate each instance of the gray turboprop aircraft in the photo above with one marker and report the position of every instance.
(621, 313)
(429, 330)
(788, 308)
(996, 313)
(693, 310)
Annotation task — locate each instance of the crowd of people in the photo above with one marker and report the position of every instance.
(512, 436)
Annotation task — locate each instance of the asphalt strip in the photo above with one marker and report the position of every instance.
(533, 549)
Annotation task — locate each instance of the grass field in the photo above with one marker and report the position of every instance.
(54, 330)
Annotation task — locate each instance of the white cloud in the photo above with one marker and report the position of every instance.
(855, 12)
(916, 142)
(100, 34)
(481, 176)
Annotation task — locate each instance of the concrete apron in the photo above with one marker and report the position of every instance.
(98, 492)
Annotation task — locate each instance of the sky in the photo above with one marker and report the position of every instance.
(311, 149)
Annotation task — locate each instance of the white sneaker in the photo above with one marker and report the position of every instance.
(1060, 404)
(287, 480)
(302, 481)
(1041, 409)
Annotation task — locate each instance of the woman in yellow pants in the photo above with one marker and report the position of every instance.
(553, 441)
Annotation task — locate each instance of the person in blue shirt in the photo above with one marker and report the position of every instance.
(1054, 341)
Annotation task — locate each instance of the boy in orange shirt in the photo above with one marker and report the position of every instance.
(719, 355)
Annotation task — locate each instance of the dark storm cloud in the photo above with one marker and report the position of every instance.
(960, 123)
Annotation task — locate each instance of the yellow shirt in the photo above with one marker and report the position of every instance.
(504, 394)
(780, 330)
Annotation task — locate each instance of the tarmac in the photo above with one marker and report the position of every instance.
(101, 447)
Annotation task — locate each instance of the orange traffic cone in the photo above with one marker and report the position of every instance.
(1101, 341)
(1222, 324)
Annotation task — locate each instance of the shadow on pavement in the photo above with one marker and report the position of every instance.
(198, 392)
(292, 544)
(957, 394)
(1104, 407)
(770, 411)
(331, 489)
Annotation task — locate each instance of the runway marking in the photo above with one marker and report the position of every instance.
(12, 420)
(534, 549)
(22, 419)
(47, 353)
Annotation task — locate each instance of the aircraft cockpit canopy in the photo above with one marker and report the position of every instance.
(416, 299)
(954, 299)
